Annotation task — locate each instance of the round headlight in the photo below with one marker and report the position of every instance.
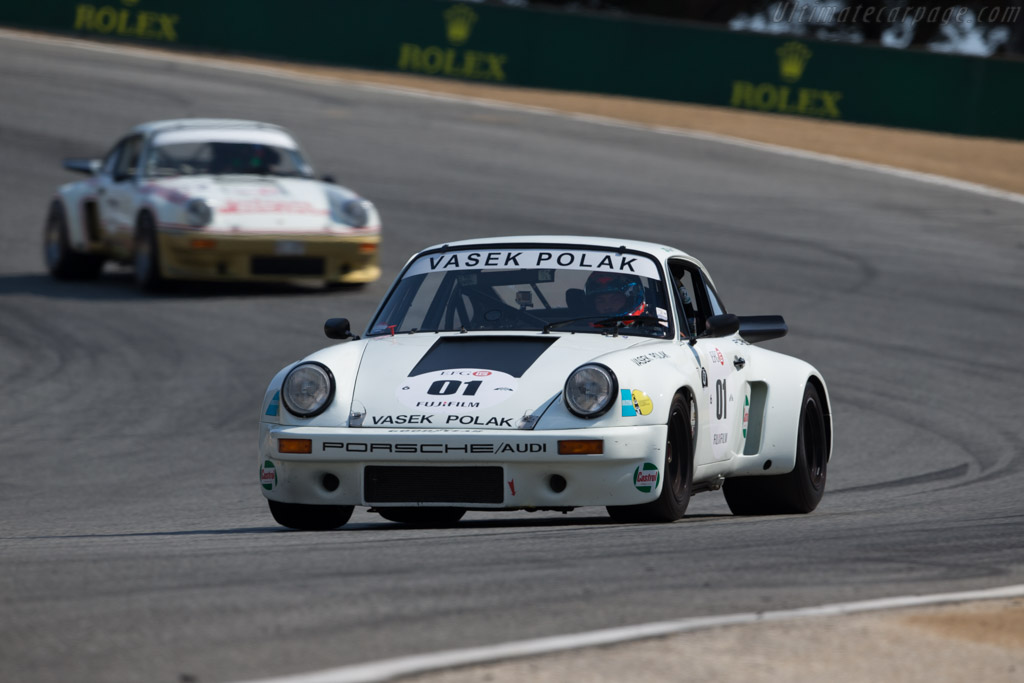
(199, 213)
(308, 389)
(590, 390)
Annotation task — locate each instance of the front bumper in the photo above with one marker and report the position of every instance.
(526, 465)
(193, 255)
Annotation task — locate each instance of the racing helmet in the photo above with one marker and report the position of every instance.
(600, 285)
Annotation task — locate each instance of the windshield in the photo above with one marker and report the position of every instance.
(199, 158)
(572, 290)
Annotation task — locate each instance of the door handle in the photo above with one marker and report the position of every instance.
(738, 362)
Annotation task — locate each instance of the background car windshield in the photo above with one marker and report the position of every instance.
(526, 289)
(197, 158)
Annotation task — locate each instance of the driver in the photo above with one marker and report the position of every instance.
(615, 294)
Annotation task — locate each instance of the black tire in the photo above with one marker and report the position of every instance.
(799, 491)
(422, 517)
(678, 485)
(146, 257)
(62, 261)
(310, 517)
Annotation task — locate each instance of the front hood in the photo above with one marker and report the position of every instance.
(426, 381)
(255, 203)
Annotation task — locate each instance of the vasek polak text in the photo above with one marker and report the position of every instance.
(536, 258)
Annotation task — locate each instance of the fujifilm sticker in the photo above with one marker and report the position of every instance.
(646, 477)
(463, 390)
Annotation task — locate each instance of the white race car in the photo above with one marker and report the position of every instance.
(545, 373)
(210, 199)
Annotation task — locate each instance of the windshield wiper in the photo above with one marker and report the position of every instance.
(604, 321)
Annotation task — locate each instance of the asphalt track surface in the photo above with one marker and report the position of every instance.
(135, 544)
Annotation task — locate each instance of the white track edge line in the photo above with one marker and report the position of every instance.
(389, 669)
(277, 72)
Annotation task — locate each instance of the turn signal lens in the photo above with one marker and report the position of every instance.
(581, 447)
(295, 446)
(367, 247)
(203, 244)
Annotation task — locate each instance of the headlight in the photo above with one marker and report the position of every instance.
(308, 389)
(199, 213)
(590, 390)
(354, 212)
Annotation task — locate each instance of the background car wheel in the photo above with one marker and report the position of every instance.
(801, 490)
(61, 260)
(310, 517)
(146, 259)
(677, 486)
(422, 517)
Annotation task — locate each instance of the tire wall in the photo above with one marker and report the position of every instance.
(549, 49)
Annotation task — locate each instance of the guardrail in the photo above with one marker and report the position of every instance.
(548, 49)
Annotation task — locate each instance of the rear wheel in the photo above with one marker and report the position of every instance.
(146, 259)
(310, 517)
(678, 472)
(422, 516)
(799, 491)
(63, 262)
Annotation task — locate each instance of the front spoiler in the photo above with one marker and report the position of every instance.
(534, 474)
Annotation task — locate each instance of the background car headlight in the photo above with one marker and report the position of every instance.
(199, 213)
(355, 212)
(308, 389)
(590, 390)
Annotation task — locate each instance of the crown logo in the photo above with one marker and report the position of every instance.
(459, 21)
(793, 57)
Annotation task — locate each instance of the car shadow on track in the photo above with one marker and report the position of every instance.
(120, 287)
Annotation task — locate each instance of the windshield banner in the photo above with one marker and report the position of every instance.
(567, 259)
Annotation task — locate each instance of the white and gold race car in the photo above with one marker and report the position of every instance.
(545, 373)
(210, 199)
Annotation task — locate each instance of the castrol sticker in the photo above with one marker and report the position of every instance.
(461, 390)
(268, 475)
(646, 477)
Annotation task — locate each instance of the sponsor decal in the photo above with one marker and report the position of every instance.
(788, 99)
(275, 404)
(635, 402)
(127, 21)
(570, 259)
(460, 390)
(265, 206)
(721, 438)
(512, 486)
(648, 357)
(402, 419)
(746, 414)
(268, 475)
(434, 448)
(646, 477)
(453, 60)
(716, 356)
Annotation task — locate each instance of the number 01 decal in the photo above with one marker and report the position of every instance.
(721, 399)
(462, 390)
(448, 387)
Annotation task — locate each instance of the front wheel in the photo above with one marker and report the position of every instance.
(678, 471)
(422, 517)
(310, 517)
(146, 258)
(799, 491)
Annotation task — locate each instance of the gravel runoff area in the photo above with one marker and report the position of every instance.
(981, 641)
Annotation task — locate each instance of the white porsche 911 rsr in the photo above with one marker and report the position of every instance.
(210, 199)
(545, 373)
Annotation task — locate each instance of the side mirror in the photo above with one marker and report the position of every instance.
(723, 325)
(759, 328)
(338, 328)
(87, 166)
(328, 178)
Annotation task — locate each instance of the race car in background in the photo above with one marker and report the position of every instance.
(210, 199)
(546, 372)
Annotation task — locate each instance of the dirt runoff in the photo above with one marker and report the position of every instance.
(981, 641)
(988, 161)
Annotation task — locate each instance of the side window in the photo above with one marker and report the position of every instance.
(110, 161)
(716, 305)
(128, 161)
(695, 300)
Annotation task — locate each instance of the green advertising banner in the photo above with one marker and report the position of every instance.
(547, 49)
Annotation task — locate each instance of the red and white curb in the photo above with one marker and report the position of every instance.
(389, 669)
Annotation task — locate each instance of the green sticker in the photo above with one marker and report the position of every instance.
(268, 475)
(646, 477)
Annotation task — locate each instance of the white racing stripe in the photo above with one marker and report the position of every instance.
(388, 669)
(238, 67)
